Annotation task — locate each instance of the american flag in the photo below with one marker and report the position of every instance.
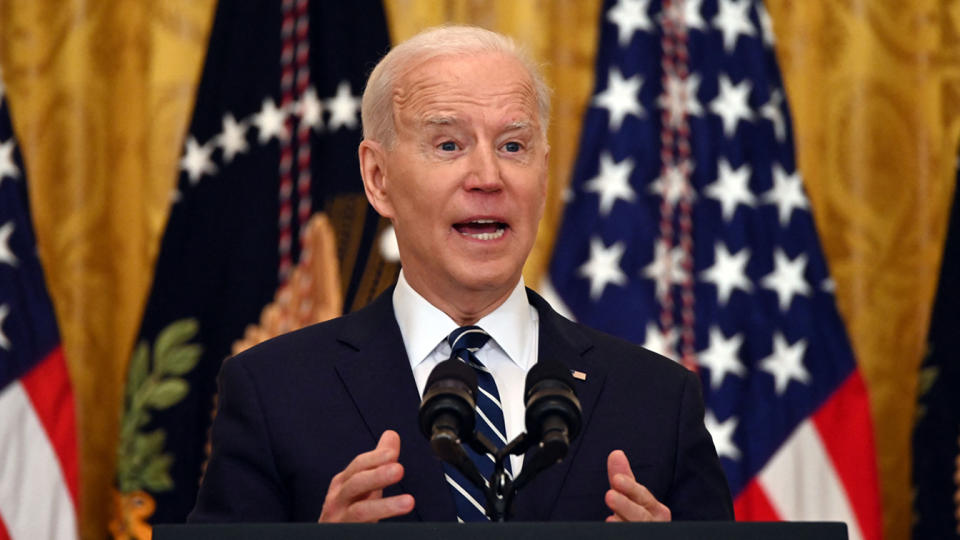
(38, 452)
(687, 229)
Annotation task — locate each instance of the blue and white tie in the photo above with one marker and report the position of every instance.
(464, 342)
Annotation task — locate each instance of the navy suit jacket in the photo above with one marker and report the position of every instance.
(294, 411)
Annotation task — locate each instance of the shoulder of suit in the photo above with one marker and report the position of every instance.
(614, 352)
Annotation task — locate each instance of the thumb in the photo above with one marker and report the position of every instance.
(617, 463)
(390, 440)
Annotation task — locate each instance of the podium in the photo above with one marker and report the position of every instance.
(507, 531)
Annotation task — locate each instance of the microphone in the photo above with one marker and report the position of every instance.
(553, 414)
(447, 410)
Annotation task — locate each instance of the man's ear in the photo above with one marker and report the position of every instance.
(373, 169)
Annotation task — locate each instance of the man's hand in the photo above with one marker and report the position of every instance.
(356, 493)
(629, 500)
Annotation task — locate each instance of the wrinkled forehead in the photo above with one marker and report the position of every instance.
(437, 87)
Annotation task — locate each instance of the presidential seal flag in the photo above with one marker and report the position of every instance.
(38, 443)
(687, 229)
(936, 434)
(273, 143)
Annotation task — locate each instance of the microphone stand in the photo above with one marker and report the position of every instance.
(501, 489)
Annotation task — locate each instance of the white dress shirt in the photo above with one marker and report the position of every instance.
(512, 350)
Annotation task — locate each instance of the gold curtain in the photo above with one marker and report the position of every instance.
(101, 94)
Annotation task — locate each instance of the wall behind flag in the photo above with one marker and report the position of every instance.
(102, 93)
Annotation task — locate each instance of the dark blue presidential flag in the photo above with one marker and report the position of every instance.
(936, 435)
(687, 229)
(273, 140)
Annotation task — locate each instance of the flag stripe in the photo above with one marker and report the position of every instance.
(48, 386)
(844, 424)
(754, 505)
(802, 483)
(4, 535)
(34, 501)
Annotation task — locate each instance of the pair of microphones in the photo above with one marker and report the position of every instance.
(448, 420)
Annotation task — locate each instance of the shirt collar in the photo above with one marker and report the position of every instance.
(424, 327)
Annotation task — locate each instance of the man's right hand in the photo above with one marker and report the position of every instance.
(356, 493)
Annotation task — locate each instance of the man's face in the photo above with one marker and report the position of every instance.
(465, 180)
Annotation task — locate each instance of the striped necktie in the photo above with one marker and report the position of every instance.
(470, 501)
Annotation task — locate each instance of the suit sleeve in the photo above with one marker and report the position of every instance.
(699, 489)
(241, 482)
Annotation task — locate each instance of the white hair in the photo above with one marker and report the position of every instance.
(376, 110)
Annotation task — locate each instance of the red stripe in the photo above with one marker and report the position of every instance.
(4, 535)
(753, 505)
(48, 386)
(846, 429)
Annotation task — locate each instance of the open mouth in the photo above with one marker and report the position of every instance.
(482, 229)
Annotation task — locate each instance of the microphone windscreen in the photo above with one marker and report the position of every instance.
(542, 371)
(453, 369)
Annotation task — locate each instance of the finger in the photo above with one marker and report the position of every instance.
(624, 509)
(639, 495)
(371, 481)
(387, 450)
(617, 463)
(369, 511)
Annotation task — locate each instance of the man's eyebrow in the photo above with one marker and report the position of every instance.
(440, 120)
(517, 125)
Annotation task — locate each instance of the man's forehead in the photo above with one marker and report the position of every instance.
(494, 79)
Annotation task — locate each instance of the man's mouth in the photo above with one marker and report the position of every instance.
(482, 229)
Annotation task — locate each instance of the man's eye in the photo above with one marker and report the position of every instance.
(448, 146)
(512, 146)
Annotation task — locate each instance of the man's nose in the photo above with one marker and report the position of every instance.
(484, 170)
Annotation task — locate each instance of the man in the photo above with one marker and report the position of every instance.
(322, 423)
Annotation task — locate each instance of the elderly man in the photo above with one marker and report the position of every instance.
(322, 422)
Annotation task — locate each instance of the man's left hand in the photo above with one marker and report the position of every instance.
(628, 499)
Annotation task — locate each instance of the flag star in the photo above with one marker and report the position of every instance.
(728, 272)
(786, 193)
(787, 278)
(673, 184)
(731, 104)
(828, 285)
(603, 267)
(620, 98)
(6, 254)
(612, 182)
(343, 108)
(666, 269)
(196, 160)
(721, 357)
(722, 435)
(785, 363)
(4, 340)
(629, 16)
(660, 342)
(679, 98)
(271, 122)
(731, 188)
(310, 110)
(687, 13)
(233, 138)
(7, 165)
(733, 19)
(766, 24)
(771, 111)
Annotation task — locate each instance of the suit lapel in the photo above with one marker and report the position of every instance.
(562, 342)
(381, 384)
